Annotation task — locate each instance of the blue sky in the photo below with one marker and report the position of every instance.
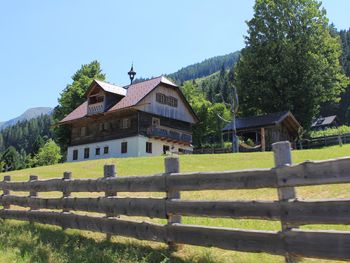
(44, 42)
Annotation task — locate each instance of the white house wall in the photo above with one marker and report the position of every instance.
(136, 147)
(181, 112)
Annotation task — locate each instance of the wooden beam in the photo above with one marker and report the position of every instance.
(263, 142)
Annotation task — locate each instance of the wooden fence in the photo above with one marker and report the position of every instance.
(290, 241)
(322, 141)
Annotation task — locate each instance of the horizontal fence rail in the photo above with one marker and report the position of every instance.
(308, 173)
(291, 212)
(303, 212)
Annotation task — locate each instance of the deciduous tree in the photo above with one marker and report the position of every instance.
(291, 60)
(73, 95)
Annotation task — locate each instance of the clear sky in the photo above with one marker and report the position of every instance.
(44, 42)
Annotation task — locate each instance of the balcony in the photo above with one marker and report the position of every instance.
(169, 135)
(95, 108)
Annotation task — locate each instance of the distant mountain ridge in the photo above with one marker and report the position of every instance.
(27, 115)
(205, 68)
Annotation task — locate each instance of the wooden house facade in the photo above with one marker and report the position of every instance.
(147, 118)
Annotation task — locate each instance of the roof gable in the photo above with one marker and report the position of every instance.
(134, 93)
(107, 87)
(183, 111)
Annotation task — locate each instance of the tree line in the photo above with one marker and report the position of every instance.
(28, 144)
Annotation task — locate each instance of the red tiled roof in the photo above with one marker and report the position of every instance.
(78, 113)
(138, 91)
(134, 94)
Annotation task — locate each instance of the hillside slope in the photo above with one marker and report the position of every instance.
(27, 115)
(205, 68)
(56, 244)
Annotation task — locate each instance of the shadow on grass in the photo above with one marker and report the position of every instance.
(38, 243)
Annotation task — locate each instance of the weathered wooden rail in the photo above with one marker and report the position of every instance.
(290, 241)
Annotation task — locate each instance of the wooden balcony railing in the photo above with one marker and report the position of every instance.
(168, 134)
(95, 108)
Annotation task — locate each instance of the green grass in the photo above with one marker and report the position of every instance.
(22, 242)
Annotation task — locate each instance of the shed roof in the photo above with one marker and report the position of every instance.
(322, 121)
(262, 121)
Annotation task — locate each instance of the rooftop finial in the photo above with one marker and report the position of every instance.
(132, 73)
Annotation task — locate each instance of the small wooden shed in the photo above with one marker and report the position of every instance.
(322, 123)
(265, 129)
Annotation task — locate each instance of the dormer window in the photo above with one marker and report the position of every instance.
(96, 99)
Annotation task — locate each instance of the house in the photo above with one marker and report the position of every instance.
(266, 129)
(322, 123)
(148, 118)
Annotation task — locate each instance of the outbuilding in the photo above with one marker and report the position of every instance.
(265, 129)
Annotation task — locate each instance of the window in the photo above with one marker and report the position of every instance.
(104, 126)
(124, 147)
(125, 123)
(105, 150)
(83, 131)
(171, 101)
(96, 99)
(155, 122)
(168, 100)
(75, 155)
(97, 151)
(161, 98)
(166, 149)
(86, 153)
(148, 147)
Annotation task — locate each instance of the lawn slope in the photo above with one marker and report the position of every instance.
(22, 242)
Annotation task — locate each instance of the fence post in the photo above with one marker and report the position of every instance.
(32, 194)
(65, 194)
(7, 178)
(283, 156)
(172, 165)
(109, 172)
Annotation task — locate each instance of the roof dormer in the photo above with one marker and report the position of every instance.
(102, 95)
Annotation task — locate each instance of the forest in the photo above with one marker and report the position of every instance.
(304, 68)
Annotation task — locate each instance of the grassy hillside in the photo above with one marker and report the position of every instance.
(21, 242)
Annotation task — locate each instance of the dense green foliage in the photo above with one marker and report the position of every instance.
(21, 142)
(205, 68)
(49, 154)
(208, 131)
(27, 135)
(343, 109)
(330, 131)
(74, 95)
(291, 60)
